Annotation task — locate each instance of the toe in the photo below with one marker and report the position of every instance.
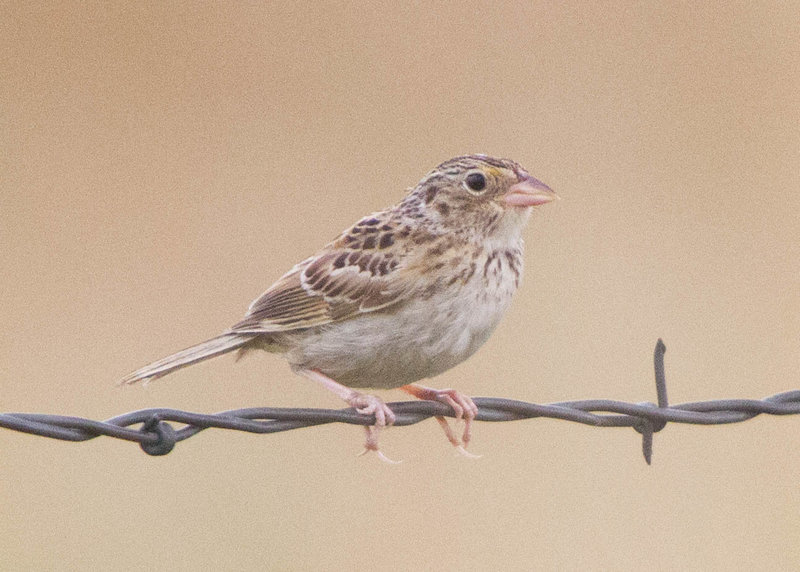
(389, 415)
(466, 437)
(373, 405)
(371, 444)
(380, 416)
(448, 432)
(468, 406)
(457, 408)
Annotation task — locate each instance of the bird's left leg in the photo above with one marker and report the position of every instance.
(462, 405)
(362, 402)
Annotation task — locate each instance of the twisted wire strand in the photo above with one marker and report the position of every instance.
(157, 436)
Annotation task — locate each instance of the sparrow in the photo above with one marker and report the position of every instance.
(402, 295)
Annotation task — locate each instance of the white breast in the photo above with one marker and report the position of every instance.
(422, 337)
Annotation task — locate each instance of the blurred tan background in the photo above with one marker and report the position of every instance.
(163, 163)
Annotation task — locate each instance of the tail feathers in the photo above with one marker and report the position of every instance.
(204, 350)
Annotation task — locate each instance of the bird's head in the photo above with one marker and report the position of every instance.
(482, 194)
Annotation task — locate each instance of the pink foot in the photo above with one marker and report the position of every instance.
(372, 445)
(463, 407)
(364, 403)
(373, 405)
(367, 404)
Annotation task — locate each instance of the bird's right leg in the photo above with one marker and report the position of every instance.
(462, 406)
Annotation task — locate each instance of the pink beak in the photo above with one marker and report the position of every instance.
(529, 192)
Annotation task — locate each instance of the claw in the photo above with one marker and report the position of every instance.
(372, 445)
(462, 451)
(381, 456)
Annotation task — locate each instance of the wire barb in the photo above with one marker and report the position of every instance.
(157, 436)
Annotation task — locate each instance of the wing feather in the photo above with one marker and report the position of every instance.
(364, 270)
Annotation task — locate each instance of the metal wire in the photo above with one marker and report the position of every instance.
(157, 436)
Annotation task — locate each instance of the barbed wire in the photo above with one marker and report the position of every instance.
(156, 436)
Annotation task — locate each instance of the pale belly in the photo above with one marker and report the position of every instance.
(420, 339)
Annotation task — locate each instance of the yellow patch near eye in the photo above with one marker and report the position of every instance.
(492, 171)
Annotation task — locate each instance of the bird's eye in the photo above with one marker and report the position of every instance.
(475, 182)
